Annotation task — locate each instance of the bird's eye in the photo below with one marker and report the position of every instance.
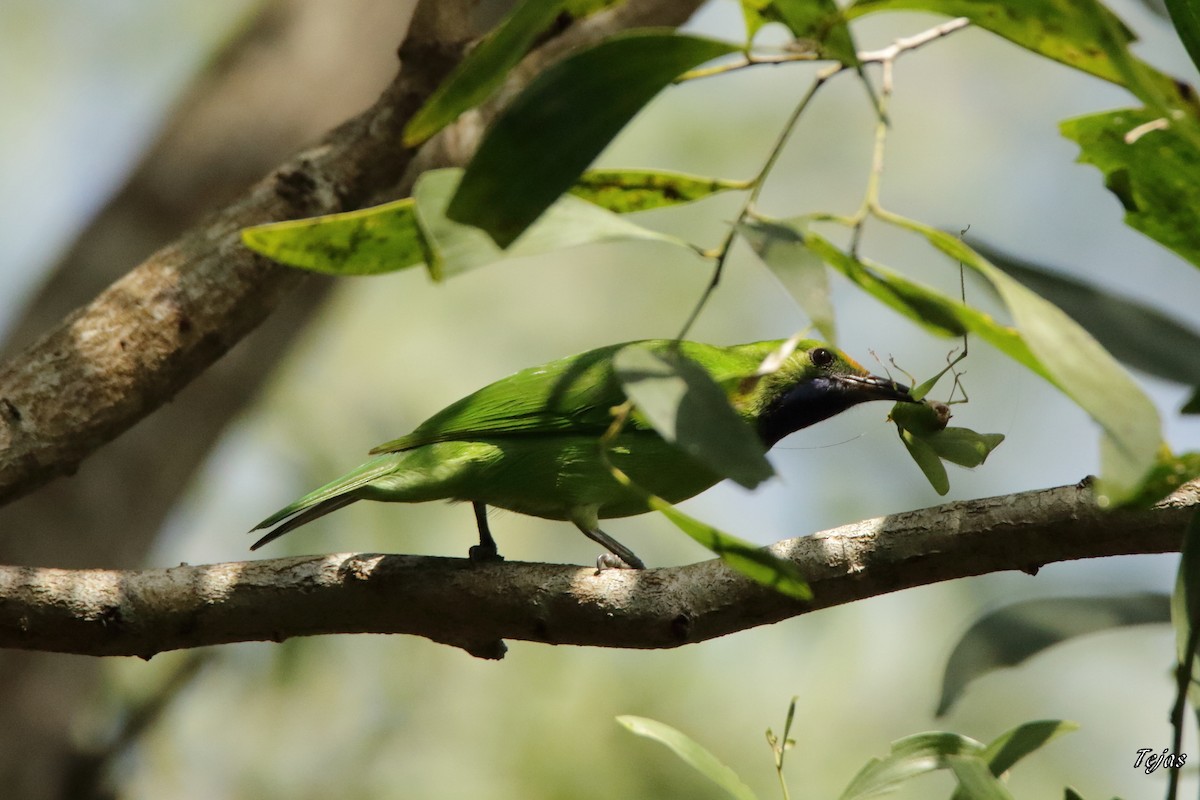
(821, 357)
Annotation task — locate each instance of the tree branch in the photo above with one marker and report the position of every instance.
(116, 359)
(108, 514)
(476, 607)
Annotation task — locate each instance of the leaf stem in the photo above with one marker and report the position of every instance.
(1183, 676)
(886, 57)
(747, 59)
(783, 745)
(756, 185)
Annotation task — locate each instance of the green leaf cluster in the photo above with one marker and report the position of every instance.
(976, 767)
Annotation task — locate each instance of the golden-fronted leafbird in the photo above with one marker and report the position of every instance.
(530, 442)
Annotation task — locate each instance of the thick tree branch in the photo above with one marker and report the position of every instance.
(110, 512)
(476, 607)
(116, 359)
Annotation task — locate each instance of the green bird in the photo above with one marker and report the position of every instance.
(529, 442)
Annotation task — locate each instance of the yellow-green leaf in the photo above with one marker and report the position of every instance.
(625, 191)
(367, 242)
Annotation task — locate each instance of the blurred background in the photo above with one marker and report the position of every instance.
(124, 122)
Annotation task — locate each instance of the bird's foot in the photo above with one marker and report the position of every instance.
(484, 554)
(618, 556)
(612, 561)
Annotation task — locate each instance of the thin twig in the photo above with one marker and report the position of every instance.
(1183, 680)
(886, 57)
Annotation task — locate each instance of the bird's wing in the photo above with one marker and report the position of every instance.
(572, 396)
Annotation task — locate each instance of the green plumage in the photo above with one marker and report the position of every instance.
(528, 442)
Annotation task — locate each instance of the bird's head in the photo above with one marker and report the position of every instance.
(816, 382)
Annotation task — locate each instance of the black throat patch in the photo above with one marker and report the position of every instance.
(804, 404)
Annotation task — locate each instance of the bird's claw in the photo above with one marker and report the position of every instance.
(612, 561)
(483, 554)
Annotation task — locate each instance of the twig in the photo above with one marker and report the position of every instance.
(886, 57)
(1183, 681)
(909, 43)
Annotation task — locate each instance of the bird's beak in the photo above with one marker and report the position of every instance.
(873, 387)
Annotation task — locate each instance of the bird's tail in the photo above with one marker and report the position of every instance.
(330, 497)
(303, 518)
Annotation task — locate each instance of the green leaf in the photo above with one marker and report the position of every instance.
(1136, 334)
(801, 271)
(927, 459)
(975, 780)
(1070, 359)
(692, 412)
(1003, 752)
(1185, 16)
(755, 563)
(1156, 176)
(367, 242)
(1080, 33)
(963, 446)
(545, 138)
(911, 756)
(819, 24)
(483, 70)
(692, 754)
(455, 248)
(1009, 636)
(934, 311)
(624, 191)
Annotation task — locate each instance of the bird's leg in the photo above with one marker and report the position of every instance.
(618, 556)
(486, 549)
